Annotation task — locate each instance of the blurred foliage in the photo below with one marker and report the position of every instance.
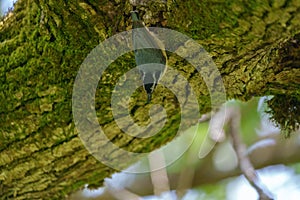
(214, 191)
(296, 167)
(197, 139)
(253, 117)
(250, 118)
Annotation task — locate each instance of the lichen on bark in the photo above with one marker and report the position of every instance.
(255, 45)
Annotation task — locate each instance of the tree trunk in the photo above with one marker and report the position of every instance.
(255, 46)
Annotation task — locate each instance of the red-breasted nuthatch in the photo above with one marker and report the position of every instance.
(150, 60)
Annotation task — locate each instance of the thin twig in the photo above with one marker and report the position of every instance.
(158, 173)
(244, 161)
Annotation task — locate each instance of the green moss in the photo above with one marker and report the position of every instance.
(202, 19)
(284, 110)
(41, 53)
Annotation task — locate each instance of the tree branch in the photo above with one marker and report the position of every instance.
(244, 161)
(42, 45)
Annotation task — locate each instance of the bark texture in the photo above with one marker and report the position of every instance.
(255, 45)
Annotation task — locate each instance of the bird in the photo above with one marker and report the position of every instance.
(151, 62)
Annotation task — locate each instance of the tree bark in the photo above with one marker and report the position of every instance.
(255, 46)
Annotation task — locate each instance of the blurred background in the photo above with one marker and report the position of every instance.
(5, 5)
(275, 157)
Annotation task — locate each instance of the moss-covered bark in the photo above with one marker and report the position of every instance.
(255, 45)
